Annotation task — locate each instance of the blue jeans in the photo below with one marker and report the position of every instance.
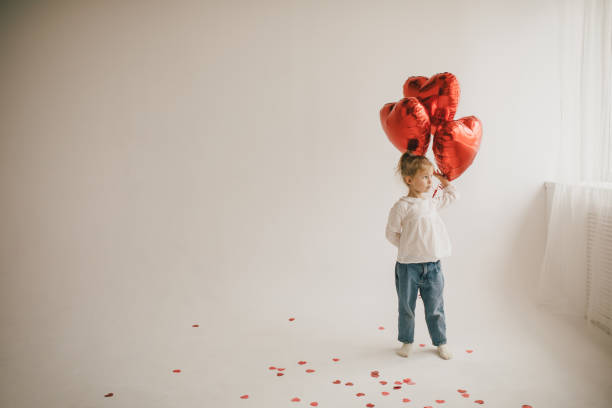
(427, 277)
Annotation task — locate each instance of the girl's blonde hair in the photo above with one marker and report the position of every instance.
(409, 164)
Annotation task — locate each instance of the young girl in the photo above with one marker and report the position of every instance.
(418, 232)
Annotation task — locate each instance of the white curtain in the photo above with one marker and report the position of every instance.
(580, 192)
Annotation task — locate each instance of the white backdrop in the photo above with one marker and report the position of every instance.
(224, 161)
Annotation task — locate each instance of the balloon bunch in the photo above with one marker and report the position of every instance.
(428, 107)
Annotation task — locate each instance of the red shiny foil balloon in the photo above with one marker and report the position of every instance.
(455, 145)
(413, 85)
(407, 126)
(439, 94)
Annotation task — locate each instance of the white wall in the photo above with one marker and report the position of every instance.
(204, 160)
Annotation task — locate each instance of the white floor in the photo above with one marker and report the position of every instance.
(522, 355)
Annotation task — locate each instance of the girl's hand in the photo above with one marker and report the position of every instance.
(441, 177)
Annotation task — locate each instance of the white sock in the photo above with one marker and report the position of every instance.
(405, 350)
(444, 352)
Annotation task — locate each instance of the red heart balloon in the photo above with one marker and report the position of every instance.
(455, 145)
(407, 126)
(439, 94)
(413, 85)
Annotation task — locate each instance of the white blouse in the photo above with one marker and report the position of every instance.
(416, 229)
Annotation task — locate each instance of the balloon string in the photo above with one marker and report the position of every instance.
(436, 190)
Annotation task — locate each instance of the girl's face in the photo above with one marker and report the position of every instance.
(421, 182)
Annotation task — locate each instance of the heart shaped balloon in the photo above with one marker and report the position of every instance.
(407, 126)
(439, 94)
(455, 145)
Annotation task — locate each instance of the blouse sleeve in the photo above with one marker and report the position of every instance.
(449, 195)
(394, 225)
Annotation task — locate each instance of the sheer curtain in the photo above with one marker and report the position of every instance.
(576, 272)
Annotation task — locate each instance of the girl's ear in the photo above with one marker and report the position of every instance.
(407, 180)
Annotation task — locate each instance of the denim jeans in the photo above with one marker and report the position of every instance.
(427, 277)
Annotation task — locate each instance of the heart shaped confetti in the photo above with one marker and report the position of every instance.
(383, 382)
(296, 399)
(337, 382)
(244, 397)
(440, 401)
(381, 328)
(407, 380)
(374, 374)
(176, 371)
(370, 405)
(466, 395)
(428, 406)
(469, 351)
(279, 374)
(461, 391)
(397, 387)
(479, 402)
(314, 404)
(349, 384)
(310, 370)
(385, 393)
(271, 368)
(398, 382)
(291, 319)
(336, 359)
(526, 406)
(301, 362)
(280, 369)
(110, 394)
(406, 400)
(421, 345)
(196, 325)
(360, 394)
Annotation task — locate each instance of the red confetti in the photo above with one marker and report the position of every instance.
(244, 397)
(383, 382)
(337, 382)
(176, 371)
(349, 384)
(370, 405)
(440, 401)
(296, 399)
(407, 380)
(428, 406)
(397, 387)
(110, 394)
(385, 393)
(314, 404)
(466, 395)
(421, 345)
(398, 382)
(291, 319)
(469, 351)
(381, 328)
(310, 370)
(360, 394)
(196, 325)
(526, 406)
(461, 391)
(301, 362)
(406, 400)
(336, 359)
(374, 374)
(279, 374)
(271, 368)
(479, 402)
(280, 369)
